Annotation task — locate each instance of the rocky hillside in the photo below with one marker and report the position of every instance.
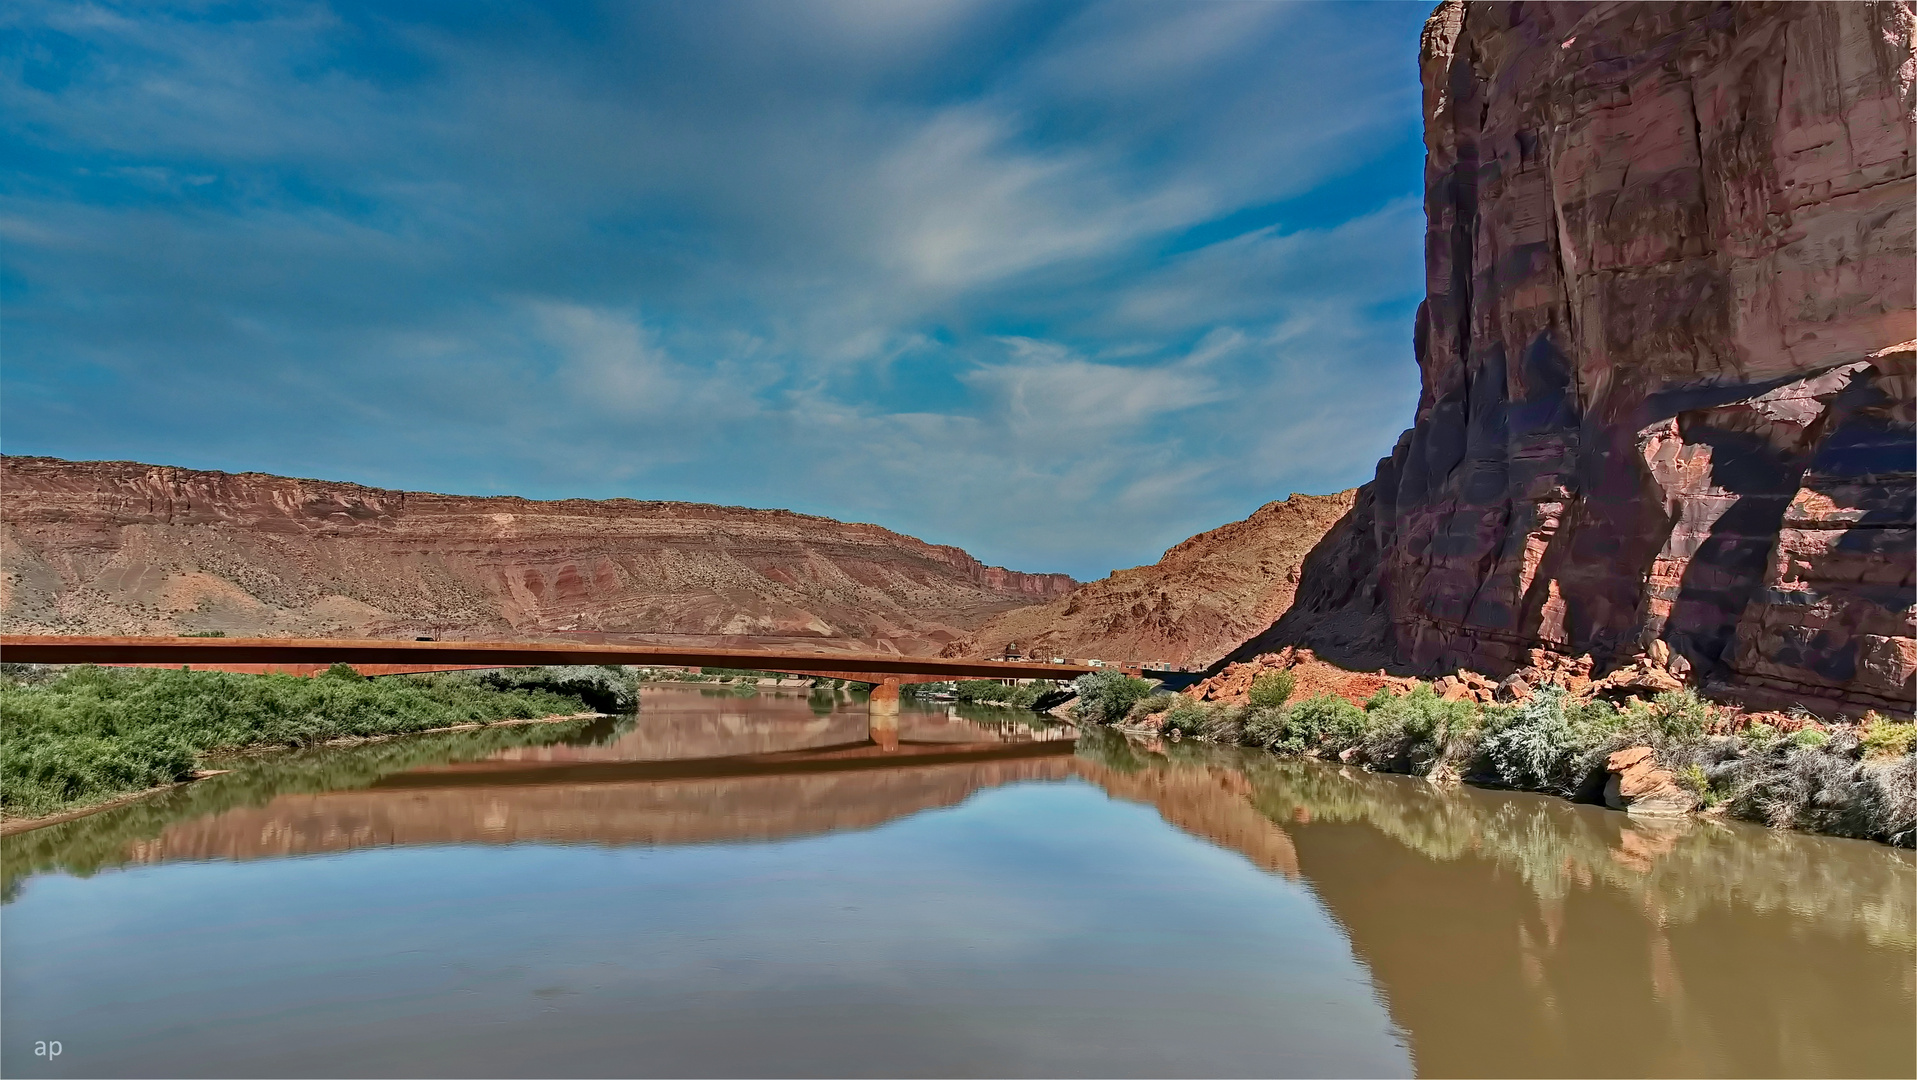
(1190, 607)
(124, 548)
(1667, 356)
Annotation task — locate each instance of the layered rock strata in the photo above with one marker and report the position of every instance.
(1189, 608)
(1667, 355)
(119, 547)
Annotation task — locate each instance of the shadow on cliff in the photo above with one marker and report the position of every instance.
(1337, 612)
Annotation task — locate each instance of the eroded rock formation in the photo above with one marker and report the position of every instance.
(1666, 351)
(1190, 607)
(119, 547)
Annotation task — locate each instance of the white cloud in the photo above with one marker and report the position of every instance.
(610, 361)
(1053, 394)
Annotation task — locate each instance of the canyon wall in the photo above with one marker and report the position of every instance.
(1189, 608)
(124, 548)
(1666, 352)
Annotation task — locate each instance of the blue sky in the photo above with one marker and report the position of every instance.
(1060, 284)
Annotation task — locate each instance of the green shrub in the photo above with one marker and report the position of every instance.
(604, 688)
(1327, 718)
(1534, 745)
(1596, 718)
(1272, 690)
(995, 691)
(1410, 729)
(94, 733)
(1105, 697)
(1885, 738)
(1693, 779)
(1187, 717)
(1224, 724)
(1026, 696)
(1295, 730)
(1679, 714)
(1151, 705)
(1420, 714)
(1810, 738)
(728, 673)
(973, 691)
(1265, 727)
(1760, 736)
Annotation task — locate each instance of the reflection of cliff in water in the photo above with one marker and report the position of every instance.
(1577, 940)
(682, 723)
(802, 776)
(693, 767)
(673, 811)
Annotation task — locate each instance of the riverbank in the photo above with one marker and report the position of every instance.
(77, 740)
(1671, 753)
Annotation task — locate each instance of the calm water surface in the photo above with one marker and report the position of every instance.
(755, 886)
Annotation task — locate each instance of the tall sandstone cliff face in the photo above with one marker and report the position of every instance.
(1666, 350)
(119, 547)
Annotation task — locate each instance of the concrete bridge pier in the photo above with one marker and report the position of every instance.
(882, 705)
(882, 713)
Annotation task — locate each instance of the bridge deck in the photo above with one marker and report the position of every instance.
(224, 652)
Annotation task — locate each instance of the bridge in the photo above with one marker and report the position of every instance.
(307, 656)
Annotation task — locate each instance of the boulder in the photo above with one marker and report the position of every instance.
(1514, 689)
(1641, 678)
(1637, 785)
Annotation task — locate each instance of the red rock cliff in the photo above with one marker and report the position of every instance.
(1666, 352)
(118, 547)
(1190, 607)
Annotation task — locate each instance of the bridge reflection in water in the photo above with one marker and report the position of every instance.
(694, 770)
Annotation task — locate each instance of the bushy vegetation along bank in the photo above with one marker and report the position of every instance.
(1860, 782)
(84, 735)
(986, 691)
(741, 678)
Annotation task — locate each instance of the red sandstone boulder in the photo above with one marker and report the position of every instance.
(1641, 678)
(1637, 785)
(1514, 689)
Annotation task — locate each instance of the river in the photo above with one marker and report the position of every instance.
(751, 885)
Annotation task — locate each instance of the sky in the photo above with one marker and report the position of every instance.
(1061, 284)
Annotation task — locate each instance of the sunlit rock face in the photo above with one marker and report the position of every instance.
(1190, 607)
(119, 547)
(1666, 352)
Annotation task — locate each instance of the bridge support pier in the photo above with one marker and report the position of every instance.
(882, 714)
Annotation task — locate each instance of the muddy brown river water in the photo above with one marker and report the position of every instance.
(750, 886)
